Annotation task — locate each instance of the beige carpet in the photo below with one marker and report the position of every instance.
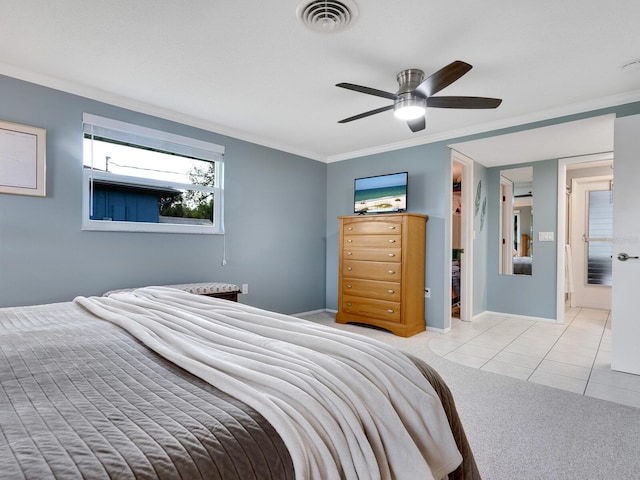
(521, 430)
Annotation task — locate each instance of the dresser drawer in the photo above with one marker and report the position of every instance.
(372, 241)
(356, 287)
(389, 311)
(373, 254)
(372, 227)
(385, 271)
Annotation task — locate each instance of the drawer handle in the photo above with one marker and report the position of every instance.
(392, 227)
(392, 254)
(390, 291)
(349, 268)
(348, 304)
(391, 272)
(392, 241)
(349, 253)
(348, 286)
(350, 228)
(389, 311)
(349, 241)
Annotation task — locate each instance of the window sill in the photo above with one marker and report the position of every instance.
(145, 227)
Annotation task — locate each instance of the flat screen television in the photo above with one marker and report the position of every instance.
(381, 194)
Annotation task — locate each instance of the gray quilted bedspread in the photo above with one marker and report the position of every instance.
(81, 398)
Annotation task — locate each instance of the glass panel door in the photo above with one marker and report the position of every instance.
(600, 236)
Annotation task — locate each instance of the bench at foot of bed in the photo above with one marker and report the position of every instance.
(226, 291)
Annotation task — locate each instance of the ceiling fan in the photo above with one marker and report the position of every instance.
(416, 93)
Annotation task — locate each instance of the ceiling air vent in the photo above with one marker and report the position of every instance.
(327, 17)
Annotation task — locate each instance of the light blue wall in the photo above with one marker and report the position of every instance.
(430, 177)
(428, 166)
(275, 206)
(532, 295)
(480, 242)
(280, 215)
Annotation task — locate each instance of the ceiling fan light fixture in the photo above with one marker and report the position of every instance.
(415, 94)
(409, 112)
(409, 106)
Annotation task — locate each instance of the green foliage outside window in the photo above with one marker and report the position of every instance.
(192, 203)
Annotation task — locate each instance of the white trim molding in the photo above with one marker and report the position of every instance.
(439, 330)
(519, 317)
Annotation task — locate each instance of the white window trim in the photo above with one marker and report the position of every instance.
(118, 226)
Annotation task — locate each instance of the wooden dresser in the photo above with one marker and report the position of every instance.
(381, 271)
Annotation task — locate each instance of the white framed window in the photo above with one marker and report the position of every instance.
(138, 179)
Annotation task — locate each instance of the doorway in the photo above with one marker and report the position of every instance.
(578, 168)
(461, 283)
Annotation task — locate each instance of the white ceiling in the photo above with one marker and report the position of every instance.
(570, 139)
(251, 70)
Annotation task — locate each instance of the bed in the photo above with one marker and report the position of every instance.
(160, 383)
(522, 265)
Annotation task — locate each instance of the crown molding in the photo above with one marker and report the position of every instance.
(576, 108)
(148, 109)
(172, 115)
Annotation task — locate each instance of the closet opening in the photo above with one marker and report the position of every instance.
(460, 275)
(456, 238)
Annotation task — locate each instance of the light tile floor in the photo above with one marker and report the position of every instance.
(575, 356)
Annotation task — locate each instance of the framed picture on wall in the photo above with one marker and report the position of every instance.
(22, 159)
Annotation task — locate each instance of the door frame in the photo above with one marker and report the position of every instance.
(505, 259)
(466, 235)
(562, 217)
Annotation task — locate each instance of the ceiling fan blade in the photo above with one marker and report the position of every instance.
(443, 78)
(367, 90)
(417, 124)
(463, 102)
(366, 114)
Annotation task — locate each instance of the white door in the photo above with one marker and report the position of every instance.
(591, 236)
(625, 301)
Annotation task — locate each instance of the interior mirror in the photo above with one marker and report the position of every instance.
(516, 221)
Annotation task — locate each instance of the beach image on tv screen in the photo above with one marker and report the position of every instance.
(387, 193)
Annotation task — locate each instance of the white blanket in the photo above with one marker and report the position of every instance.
(345, 406)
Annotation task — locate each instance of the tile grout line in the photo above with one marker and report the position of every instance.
(535, 369)
(494, 356)
(503, 349)
(604, 329)
(576, 321)
(481, 333)
(499, 350)
(551, 348)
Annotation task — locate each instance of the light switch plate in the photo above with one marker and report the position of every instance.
(545, 236)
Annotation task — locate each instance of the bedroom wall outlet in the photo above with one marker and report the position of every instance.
(245, 288)
(427, 293)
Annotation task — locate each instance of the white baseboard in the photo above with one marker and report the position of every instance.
(312, 312)
(513, 315)
(439, 330)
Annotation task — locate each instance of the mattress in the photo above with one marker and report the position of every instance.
(522, 265)
(83, 398)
